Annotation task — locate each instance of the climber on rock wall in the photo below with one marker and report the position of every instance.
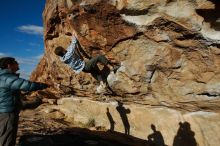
(72, 57)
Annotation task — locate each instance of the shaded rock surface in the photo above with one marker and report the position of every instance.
(170, 67)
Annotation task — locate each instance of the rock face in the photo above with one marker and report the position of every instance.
(168, 50)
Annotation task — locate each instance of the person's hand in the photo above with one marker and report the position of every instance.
(71, 18)
(74, 33)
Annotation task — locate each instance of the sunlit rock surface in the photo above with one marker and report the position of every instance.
(170, 66)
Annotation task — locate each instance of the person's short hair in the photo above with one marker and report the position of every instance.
(60, 51)
(5, 61)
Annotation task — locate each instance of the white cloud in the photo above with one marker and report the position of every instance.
(28, 64)
(39, 56)
(33, 44)
(26, 61)
(2, 54)
(29, 60)
(31, 29)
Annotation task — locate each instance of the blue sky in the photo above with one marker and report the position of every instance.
(21, 29)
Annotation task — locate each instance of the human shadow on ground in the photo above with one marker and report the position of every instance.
(81, 137)
(123, 114)
(111, 120)
(156, 138)
(85, 137)
(184, 136)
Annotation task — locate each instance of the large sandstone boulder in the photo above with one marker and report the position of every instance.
(168, 49)
(169, 55)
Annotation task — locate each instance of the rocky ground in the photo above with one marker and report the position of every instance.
(45, 124)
